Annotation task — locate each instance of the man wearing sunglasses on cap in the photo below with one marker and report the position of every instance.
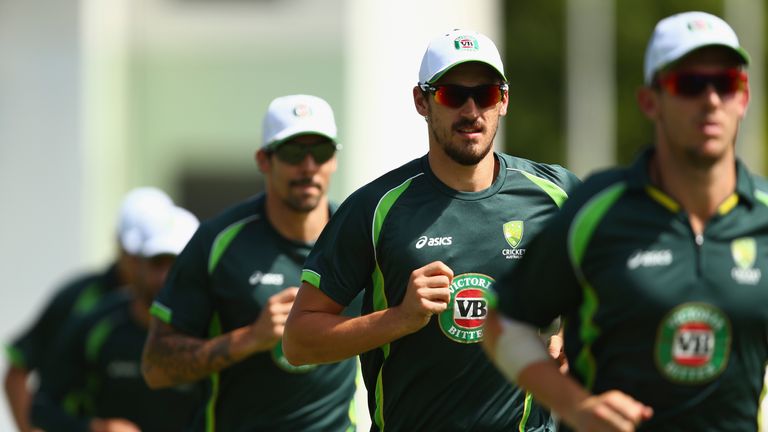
(659, 270)
(424, 242)
(220, 317)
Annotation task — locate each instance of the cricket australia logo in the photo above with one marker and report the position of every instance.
(279, 358)
(513, 234)
(463, 321)
(693, 343)
(744, 253)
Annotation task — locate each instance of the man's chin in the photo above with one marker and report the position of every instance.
(305, 205)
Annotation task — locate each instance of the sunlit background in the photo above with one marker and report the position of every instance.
(99, 96)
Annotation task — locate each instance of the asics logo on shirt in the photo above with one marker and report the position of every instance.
(651, 258)
(433, 241)
(123, 369)
(266, 278)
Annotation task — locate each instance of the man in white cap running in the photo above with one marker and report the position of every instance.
(659, 270)
(94, 381)
(423, 243)
(220, 317)
(28, 352)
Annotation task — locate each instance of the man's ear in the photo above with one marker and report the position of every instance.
(262, 161)
(504, 104)
(648, 101)
(421, 103)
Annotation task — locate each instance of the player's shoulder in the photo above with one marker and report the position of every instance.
(70, 291)
(550, 172)
(114, 305)
(754, 184)
(247, 211)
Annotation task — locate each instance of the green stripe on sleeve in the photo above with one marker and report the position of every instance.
(761, 196)
(223, 239)
(96, 338)
(15, 357)
(554, 191)
(310, 277)
(161, 311)
(581, 231)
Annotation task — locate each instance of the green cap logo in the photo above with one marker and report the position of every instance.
(693, 343)
(466, 43)
(513, 232)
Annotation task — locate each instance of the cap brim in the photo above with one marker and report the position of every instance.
(302, 132)
(440, 74)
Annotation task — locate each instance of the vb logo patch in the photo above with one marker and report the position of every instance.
(279, 358)
(513, 234)
(693, 343)
(744, 253)
(464, 319)
(466, 43)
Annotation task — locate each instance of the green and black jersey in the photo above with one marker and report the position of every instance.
(76, 298)
(95, 371)
(674, 319)
(220, 282)
(437, 378)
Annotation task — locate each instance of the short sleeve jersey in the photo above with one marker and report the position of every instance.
(437, 378)
(77, 298)
(220, 282)
(96, 372)
(676, 320)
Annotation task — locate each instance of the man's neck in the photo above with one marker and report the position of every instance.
(699, 190)
(298, 226)
(463, 178)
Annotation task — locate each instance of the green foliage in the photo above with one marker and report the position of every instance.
(534, 59)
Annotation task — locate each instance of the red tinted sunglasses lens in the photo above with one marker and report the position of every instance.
(454, 96)
(692, 84)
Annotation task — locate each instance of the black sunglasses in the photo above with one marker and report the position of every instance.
(692, 84)
(454, 96)
(293, 153)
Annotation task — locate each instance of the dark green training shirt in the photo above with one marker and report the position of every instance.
(675, 320)
(76, 298)
(95, 371)
(437, 378)
(219, 283)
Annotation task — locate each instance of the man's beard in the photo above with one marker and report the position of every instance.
(301, 204)
(463, 155)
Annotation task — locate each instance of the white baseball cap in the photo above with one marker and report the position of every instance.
(678, 35)
(457, 47)
(290, 116)
(172, 235)
(141, 207)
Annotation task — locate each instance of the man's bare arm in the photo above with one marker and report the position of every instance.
(19, 396)
(172, 357)
(316, 333)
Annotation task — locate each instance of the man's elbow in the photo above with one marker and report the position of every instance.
(292, 349)
(154, 375)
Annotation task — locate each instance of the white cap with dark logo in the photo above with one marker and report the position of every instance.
(678, 35)
(457, 47)
(290, 116)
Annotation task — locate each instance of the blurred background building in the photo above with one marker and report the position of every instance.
(97, 97)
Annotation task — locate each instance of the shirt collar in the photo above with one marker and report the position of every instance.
(639, 178)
